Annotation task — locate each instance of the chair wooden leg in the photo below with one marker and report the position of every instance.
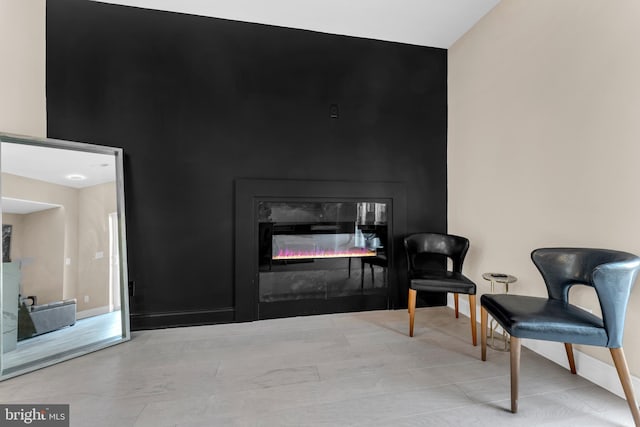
(455, 303)
(472, 312)
(515, 372)
(572, 362)
(625, 378)
(483, 333)
(412, 309)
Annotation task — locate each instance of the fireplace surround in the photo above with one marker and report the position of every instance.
(317, 257)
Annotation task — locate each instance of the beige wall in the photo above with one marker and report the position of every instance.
(43, 262)
(95, 204)
(77, 231)
(61, 281)
(544, 139)
(22, 74)
(37, 241)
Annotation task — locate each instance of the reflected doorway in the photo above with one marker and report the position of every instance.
(114, 263)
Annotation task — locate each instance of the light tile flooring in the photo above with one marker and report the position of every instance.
(84, 333)
(354, 369)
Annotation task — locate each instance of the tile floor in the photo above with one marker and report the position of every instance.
(85, 332)
(354, 369)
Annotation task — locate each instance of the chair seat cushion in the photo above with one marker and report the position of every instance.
(442, 281)
(545, 319)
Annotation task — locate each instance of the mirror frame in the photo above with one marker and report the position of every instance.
(124, 289)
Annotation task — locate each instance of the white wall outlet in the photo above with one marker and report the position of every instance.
(99, 255)
(86, 299)
(67, 261)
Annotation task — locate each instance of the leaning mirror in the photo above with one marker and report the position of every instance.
(64, 266)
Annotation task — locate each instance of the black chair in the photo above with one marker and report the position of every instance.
(427, 255)
(611, 273)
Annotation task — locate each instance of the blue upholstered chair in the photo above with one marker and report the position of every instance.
(427, 255)
(611, 273)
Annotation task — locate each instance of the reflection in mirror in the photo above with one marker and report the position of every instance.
(63, 249)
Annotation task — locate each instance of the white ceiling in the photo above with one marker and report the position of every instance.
(434, 23)
(54, 165)
(18, 206)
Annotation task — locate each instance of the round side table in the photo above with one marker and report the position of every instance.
(498, 340)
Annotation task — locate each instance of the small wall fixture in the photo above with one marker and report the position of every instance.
(333, 111)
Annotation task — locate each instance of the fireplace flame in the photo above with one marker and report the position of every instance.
(348, 253)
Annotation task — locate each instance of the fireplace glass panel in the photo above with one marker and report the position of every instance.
(321, 250)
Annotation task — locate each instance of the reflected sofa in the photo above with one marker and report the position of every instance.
(39, 319)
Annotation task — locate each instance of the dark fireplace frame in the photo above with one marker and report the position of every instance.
(249, 192)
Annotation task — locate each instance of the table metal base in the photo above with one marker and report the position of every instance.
(497, 340)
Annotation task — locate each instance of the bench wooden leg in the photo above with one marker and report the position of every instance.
(412, 309)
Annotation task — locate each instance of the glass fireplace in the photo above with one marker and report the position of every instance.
(314, 252)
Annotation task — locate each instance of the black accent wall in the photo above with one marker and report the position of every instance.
(198, 103)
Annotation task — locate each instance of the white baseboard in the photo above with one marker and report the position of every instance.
(588, 367)
(92, 312)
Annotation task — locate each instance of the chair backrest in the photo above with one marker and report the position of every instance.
(448, 245)
(611, 273)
